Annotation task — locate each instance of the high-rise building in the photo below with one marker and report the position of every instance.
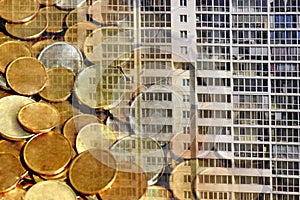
(235, 66)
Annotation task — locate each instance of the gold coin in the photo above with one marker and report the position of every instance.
(94, 135)
(66, 111)
(37, 47)
(9, 125)
(18, 193)
(26, 75)
(61, 176)
(100, 87)
(10, 170)
(77, 15)
(130, 183)
(38, 117)
(77, 33)
(157, 193)
(54, 18)
(75, 124)
(11, 50)
(51, 189)
(93, 171)
(47, 153)
(18, 11)
(29, 30)
(143, 151)
(13, 148)
(59, 85)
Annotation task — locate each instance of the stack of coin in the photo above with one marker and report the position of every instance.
(56, 94)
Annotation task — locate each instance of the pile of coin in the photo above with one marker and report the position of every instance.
(55, 94)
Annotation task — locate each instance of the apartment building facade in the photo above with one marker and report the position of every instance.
(235, 65)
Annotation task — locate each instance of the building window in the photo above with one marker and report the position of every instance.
(186, 130)
(186, 146)
(184, 50)
(89, 2)
(186, 98)
(183, 2)
(187, 178)
(89, 17)
(183, 34)
(183, 18)
(186, 114)
(187, 194)
(185, 82)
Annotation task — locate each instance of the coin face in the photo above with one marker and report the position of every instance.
(11, 147)
(100, 87)
(38, 117)
(32, 78)
(59, 85)
(14, 148)
(11, 50)
(47, 153)
(66, 111)
(94, 135)
(62, 54)
(10, 170)
(16, 11)
(9, 125)
(29, 30)
(75, 124)
(143, 151)
(100, 174)
(54, 190)
(130, 180)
